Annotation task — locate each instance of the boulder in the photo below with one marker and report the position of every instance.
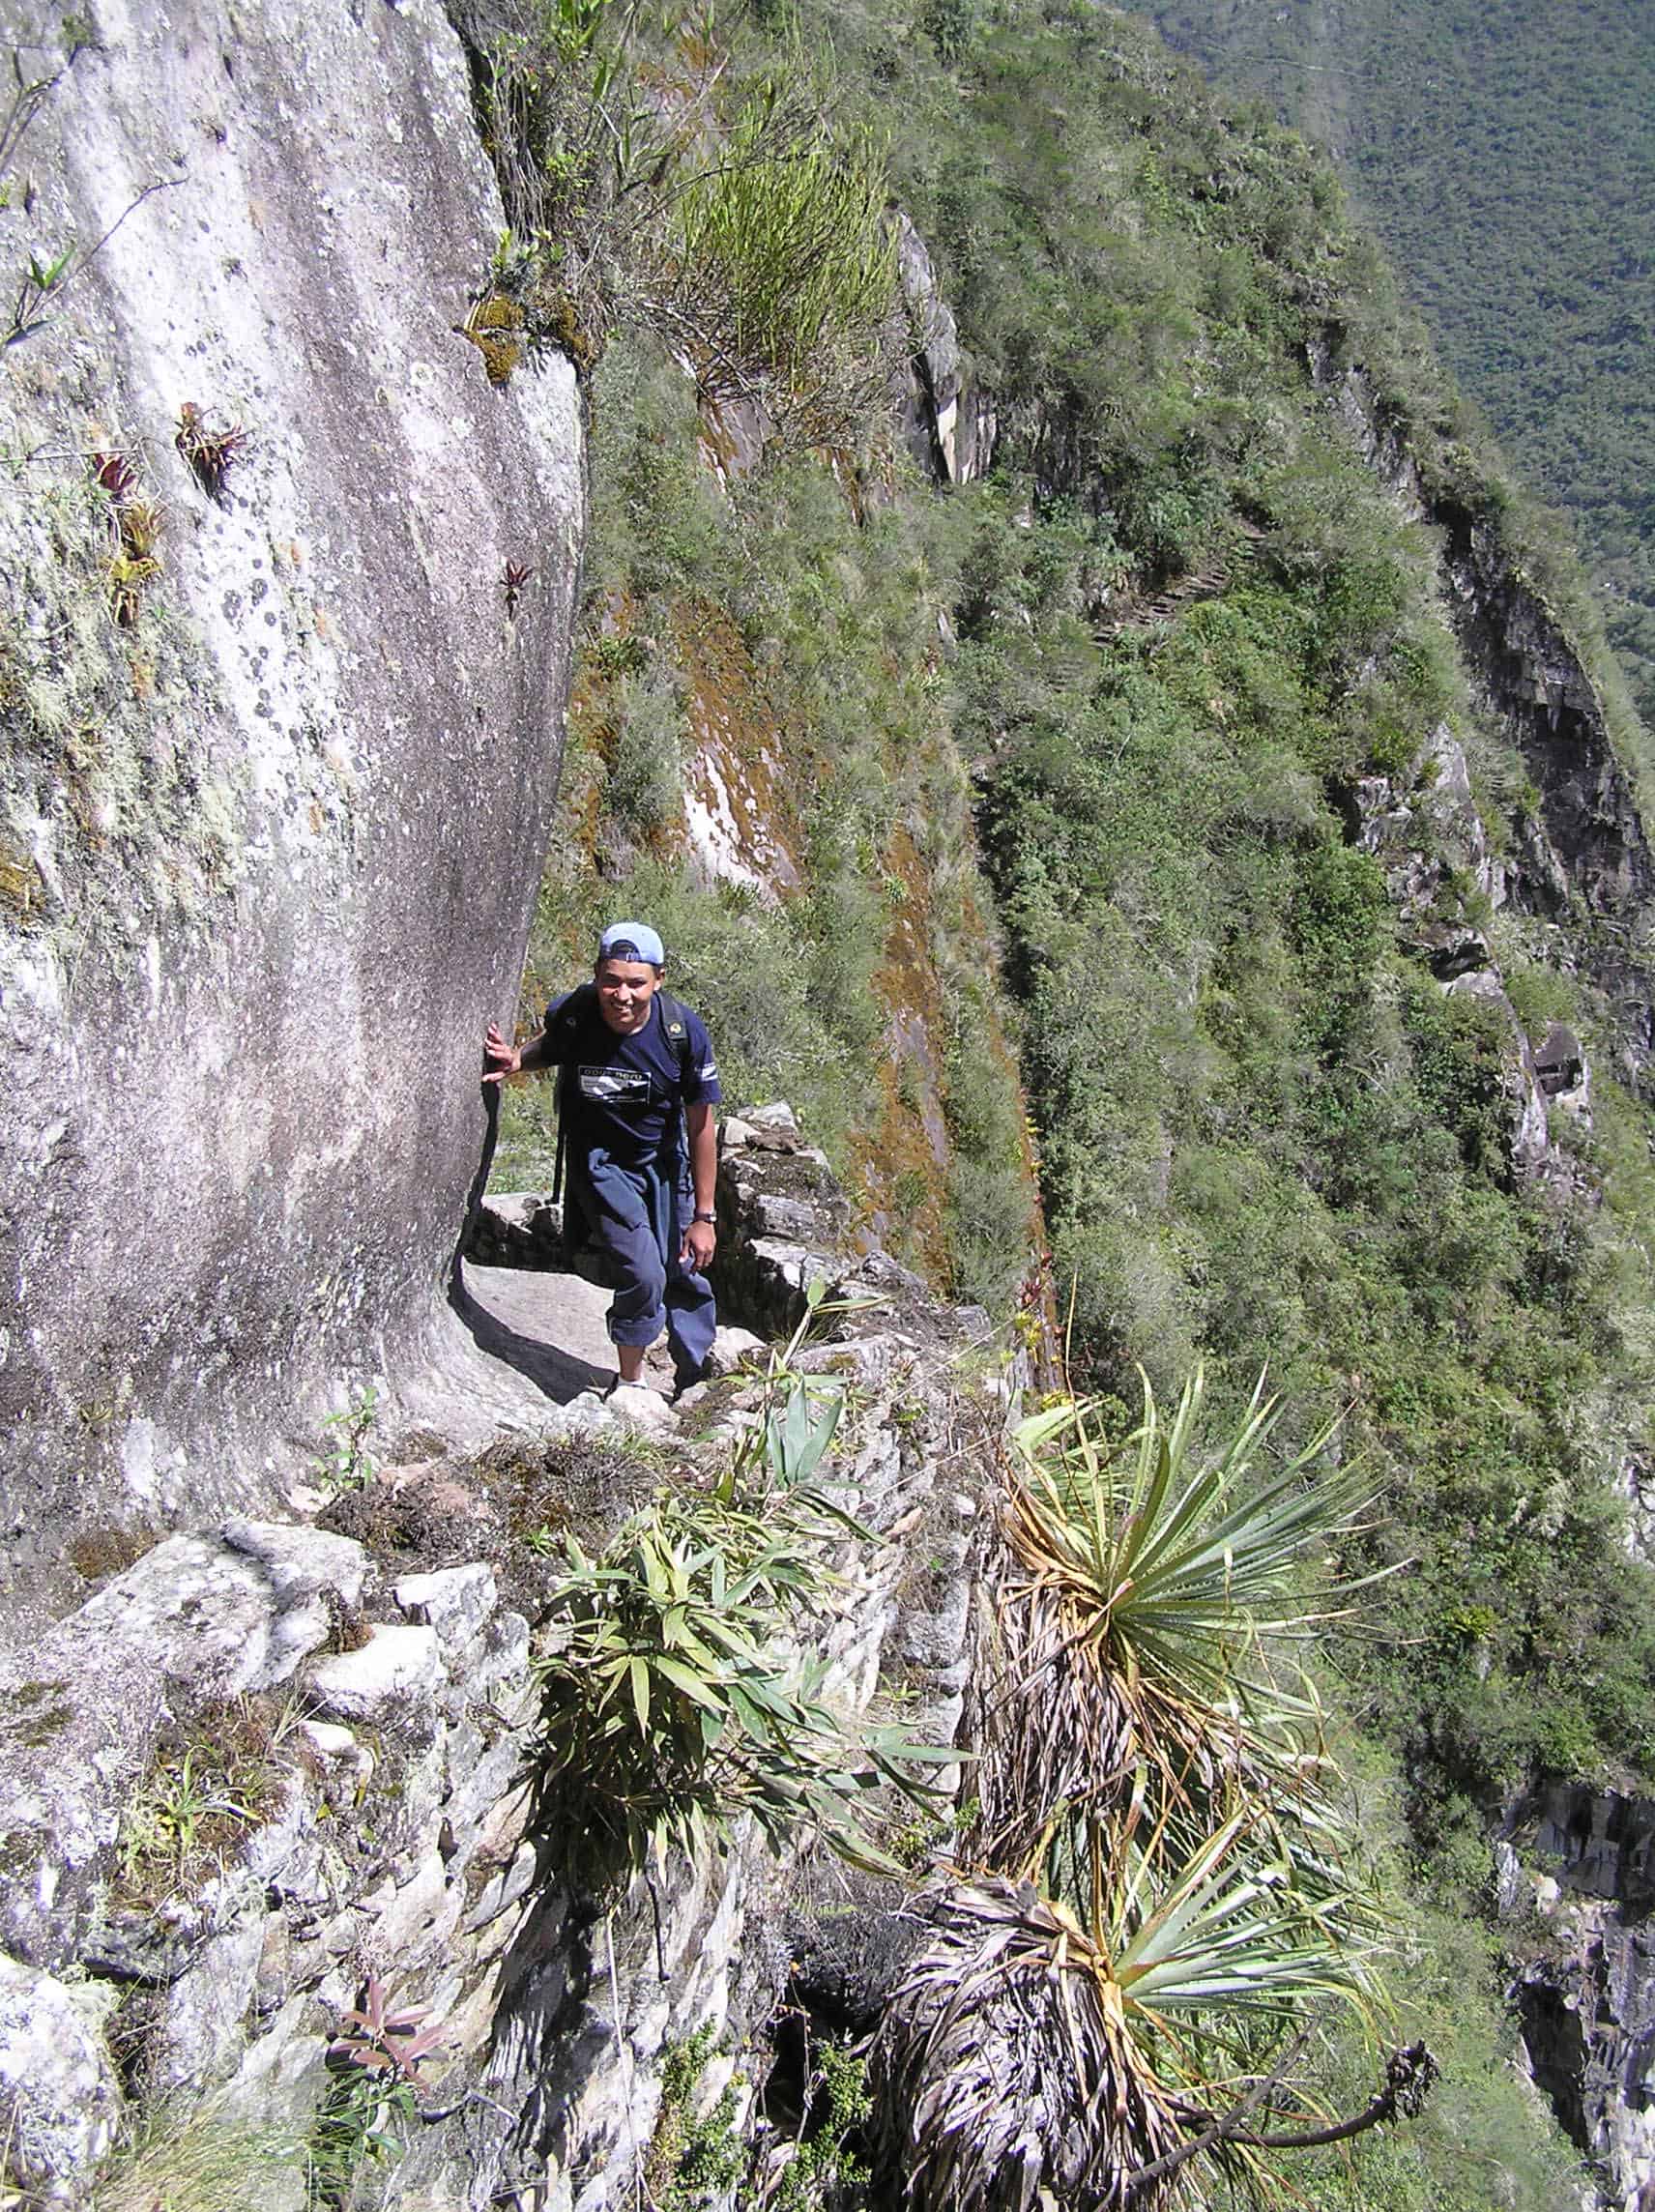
(396, 1667)
(203, 2031)
(733, 1348)
(454, 1601)
(195, 1618)
(60, 2101)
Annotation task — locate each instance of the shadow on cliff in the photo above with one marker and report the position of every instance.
(561, 1375)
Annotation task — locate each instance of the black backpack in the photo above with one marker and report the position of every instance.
(572, 1015)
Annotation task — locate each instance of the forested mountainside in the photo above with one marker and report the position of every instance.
(1506, 156)
(1307, 796)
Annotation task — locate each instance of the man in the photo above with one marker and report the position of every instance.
(635, 1105)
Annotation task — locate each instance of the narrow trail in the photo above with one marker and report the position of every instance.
(517, 1345)
(549, 1327)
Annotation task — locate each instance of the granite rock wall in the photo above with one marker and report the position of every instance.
(278, 758)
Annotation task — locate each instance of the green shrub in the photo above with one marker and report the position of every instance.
(752, 242)
(782, 252)
(676, 1697)
(645, 774)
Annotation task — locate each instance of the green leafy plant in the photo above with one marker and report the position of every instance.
(782, 267)
(801, 1414)
(755, 244)
(374, 2083)
(677, 1698)
(348, 1465)
(694, 2160)
(827, 2165)
(166, 1823)
(672, 1707)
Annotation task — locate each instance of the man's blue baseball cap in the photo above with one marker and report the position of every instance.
(631, 940)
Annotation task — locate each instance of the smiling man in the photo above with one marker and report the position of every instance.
(635, 1097)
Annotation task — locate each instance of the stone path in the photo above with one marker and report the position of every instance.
(548, 1327)
(517, 1345)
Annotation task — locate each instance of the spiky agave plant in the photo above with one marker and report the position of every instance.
(1144, 1600)
(1030, 2057)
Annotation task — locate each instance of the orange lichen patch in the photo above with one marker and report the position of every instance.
(741, 819)
(902, 1183)
(902, 1155)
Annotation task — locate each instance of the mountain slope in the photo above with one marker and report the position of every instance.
(1309, 803)
(1507, 158)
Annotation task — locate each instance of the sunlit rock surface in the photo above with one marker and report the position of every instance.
(273, 810)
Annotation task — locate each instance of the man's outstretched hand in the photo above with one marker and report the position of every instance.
(496, 1048)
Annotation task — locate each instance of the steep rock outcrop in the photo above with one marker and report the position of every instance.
(400, 1841)
(1532, 673)
(279, 757)
(1430, 841)
(1587, 2006)
(1586, 859)
(948, 419)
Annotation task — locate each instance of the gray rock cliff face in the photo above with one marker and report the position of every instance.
(1587, 2003)
(1584, 861)
(948, 419)
(272, 811)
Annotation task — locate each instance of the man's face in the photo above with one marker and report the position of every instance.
(625, 989)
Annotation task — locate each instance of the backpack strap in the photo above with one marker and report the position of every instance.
(675, 1023)
(574, 1011)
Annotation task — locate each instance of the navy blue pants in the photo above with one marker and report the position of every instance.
(636, 1218)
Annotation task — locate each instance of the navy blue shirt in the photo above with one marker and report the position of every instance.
(625, 1094)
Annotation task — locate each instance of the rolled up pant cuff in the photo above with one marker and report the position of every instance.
(638, 1334)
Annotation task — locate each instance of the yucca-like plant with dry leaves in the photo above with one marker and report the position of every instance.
(1162, 1893)
(1032, 2052)
(1145, 1602)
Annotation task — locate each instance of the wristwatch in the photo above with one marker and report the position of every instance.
(713, 1219)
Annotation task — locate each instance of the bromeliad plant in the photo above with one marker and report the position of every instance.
(1041, 2049)
(1164, 1893)
(1147, 1600)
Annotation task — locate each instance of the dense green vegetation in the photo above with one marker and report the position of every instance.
(1266, 1132)
(1507, 158)
(793, 637)
(1183, 624)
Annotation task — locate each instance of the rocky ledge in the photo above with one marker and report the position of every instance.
(274, 1779)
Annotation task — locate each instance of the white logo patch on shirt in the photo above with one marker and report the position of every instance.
(613, 1084)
